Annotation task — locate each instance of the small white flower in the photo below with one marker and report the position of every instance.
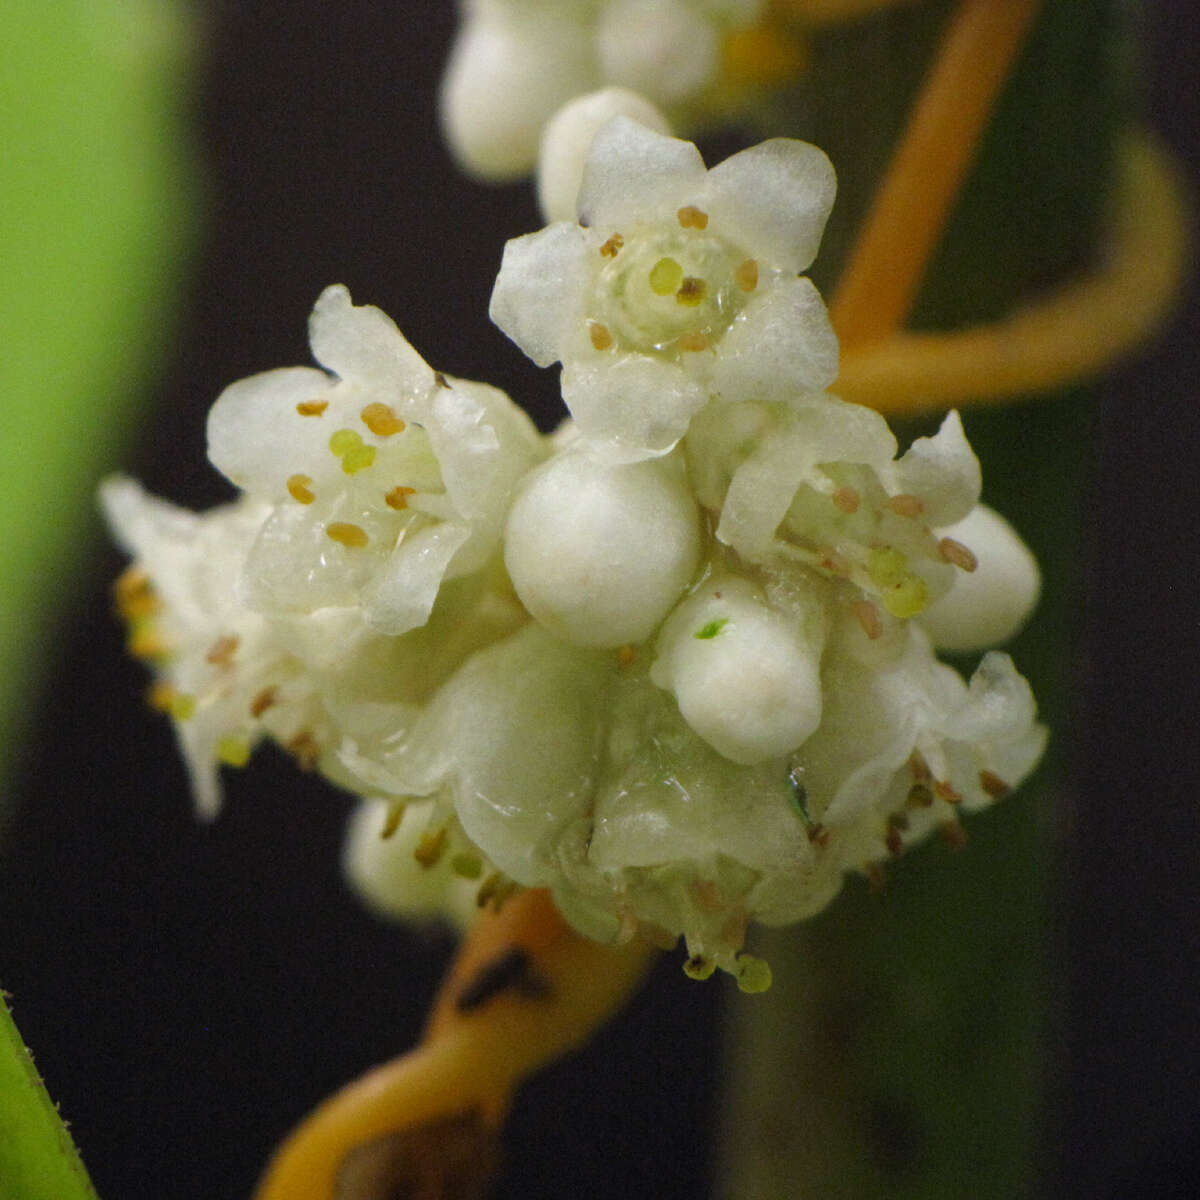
(515, 62)
(223, 676)
(678, 284)
(385, 477)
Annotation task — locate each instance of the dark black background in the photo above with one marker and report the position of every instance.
(191, 990)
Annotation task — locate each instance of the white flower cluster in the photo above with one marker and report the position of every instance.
(515, 62)
(676, 663)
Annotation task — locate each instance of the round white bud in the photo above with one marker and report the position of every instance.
(567, 138)
(988, 605)
(600, 552)
(746, 677)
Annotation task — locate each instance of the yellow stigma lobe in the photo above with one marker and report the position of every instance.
(665, 277)
(233, 751)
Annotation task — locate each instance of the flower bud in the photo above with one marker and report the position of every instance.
(598, 552)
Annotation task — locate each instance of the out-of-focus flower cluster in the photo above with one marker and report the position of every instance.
(675, 662)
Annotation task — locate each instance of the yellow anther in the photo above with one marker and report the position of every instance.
(221, 652)
(691, 291)
(886, 566)
(182, 706)
(847, 499)
(145, 641)
(312, 408)
(160, 694)
(397, 497)
(957, 554)
(233, 751)
(601, 336)
(347, 534)
(691, 217)
(135, 595)
(343, 441)
(905, 505)
(381, 420)
(665, 277)
(612, 247)
(693, 342)
(431, 847)
(358, 458)
(305, 749)
(907, 598)
(298, 488)
(746, 275)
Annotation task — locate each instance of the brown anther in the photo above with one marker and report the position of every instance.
(905, 505)
(869, 618)
(919, 767)
(298, 489)
(691, 217)
(957, 554)
(876, 876)
(312, 408)
(818, 835)
(495, 890)
(440, 380)
(919, 796)
(431, 847)
(847, 499)
(160, 695)
(395, 814)
(955, 834)
(381, 420)
(993, 785)
(602, 338)
(263, 701)
(612, 247)
(693, 342)
(943, 790)
(691, 291)
(746, 275)
(894, 840)
(347, 534)
(221, 652)
(304, 749)
(626, 655)
(397, 497)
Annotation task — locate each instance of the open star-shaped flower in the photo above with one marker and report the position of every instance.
(386, 478)
(677, 285)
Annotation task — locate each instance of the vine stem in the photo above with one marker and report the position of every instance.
(879, 285)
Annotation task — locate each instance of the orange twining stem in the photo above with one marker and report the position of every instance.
(1072, 333)
(878, 287)
(524, 989)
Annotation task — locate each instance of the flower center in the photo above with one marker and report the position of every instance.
(665, 289)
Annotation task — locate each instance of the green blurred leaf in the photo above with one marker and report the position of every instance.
(96, 199)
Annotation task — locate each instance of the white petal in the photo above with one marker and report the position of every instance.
(632, 406)
(362, 343)
(781, 345)
(257, 439)
(943, 471)
(987, 606)
(567, 139)
(665, 49)
(400, 597)
(774, 199)
(506, 76)
(539, 294)
(634, 174)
